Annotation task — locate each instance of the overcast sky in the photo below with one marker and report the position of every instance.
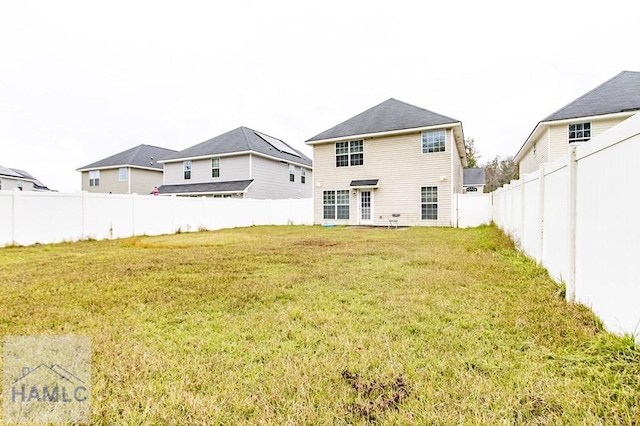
(82, 80)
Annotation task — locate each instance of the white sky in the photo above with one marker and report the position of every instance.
(82, 80)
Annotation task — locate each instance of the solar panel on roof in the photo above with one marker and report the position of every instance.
(278, 144)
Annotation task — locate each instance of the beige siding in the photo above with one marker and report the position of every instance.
(143, 181)
(231, 168)
(402, 170)
(9, 184)
(271, 180)
(560, 133)
(532, 160)
(109, 183)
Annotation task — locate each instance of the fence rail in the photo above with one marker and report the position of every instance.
(579, 217)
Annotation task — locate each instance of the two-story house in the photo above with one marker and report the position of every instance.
(134, 171)
(19, 179)
(393, 159)
(241, 163)
(598, 110)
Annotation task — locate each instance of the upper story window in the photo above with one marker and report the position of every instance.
(94, 178)
(303, 175)
(292, 173)
(123, 174)
(186, 168)
(215, 167)
(579, 132)
(433, 141)
(350, 153)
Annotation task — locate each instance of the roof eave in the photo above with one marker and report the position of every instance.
(88, 169)
(387, 133)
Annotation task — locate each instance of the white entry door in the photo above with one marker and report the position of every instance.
(365, 207)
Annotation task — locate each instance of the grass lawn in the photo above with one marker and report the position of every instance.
(312, 325)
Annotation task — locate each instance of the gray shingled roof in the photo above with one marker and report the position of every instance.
(618, 94)
(388, 116)
(242, 139)
(205, 188)
(139, 156)
(21, 174)
(473, 176)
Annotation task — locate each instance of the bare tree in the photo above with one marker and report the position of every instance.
(499, 172)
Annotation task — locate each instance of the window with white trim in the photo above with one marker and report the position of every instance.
(292, 173)
(350, 153)
(303, 175)
(123, 174)
(429, 202)
(433, 141)
(186, 169)
(215, 167)
(94, 178)
(579, 132)
(335, 204)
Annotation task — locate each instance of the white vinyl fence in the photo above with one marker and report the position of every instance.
(579, 217)
(49, 217)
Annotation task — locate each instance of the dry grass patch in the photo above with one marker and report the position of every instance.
(312, 325)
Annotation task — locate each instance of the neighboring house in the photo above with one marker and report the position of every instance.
(473, 180)
(16, 178)
(393, 159)
(134, 171)
(591, 114)
(242, 163)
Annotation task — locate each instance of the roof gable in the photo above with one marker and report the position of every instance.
(475, 176)
(390, 115)
(618, 94)
(139, 156)
(244, 139)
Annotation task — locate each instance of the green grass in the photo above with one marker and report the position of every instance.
(312, 325)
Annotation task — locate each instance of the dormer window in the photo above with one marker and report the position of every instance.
(579, 132)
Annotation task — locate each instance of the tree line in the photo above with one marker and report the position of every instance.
(498, 171)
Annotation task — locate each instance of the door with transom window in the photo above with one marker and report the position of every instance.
(365, 207)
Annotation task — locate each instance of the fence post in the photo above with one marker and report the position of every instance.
(14, 214)
(541, 218)
(573, 175)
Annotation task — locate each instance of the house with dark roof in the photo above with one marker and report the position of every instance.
(137, 170)
(20, 179)
(598, 110)
(241, 163)
(393, 163)
(473, 180)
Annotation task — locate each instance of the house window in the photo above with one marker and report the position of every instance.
(186, 167)
(94, 178)
(579, 132)
(429, 202)
(303, 175)
(433, 141)
(20, 185)
(292, 173)
(215, 167)
(335, 204)
(350, 153)
(123, 174)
